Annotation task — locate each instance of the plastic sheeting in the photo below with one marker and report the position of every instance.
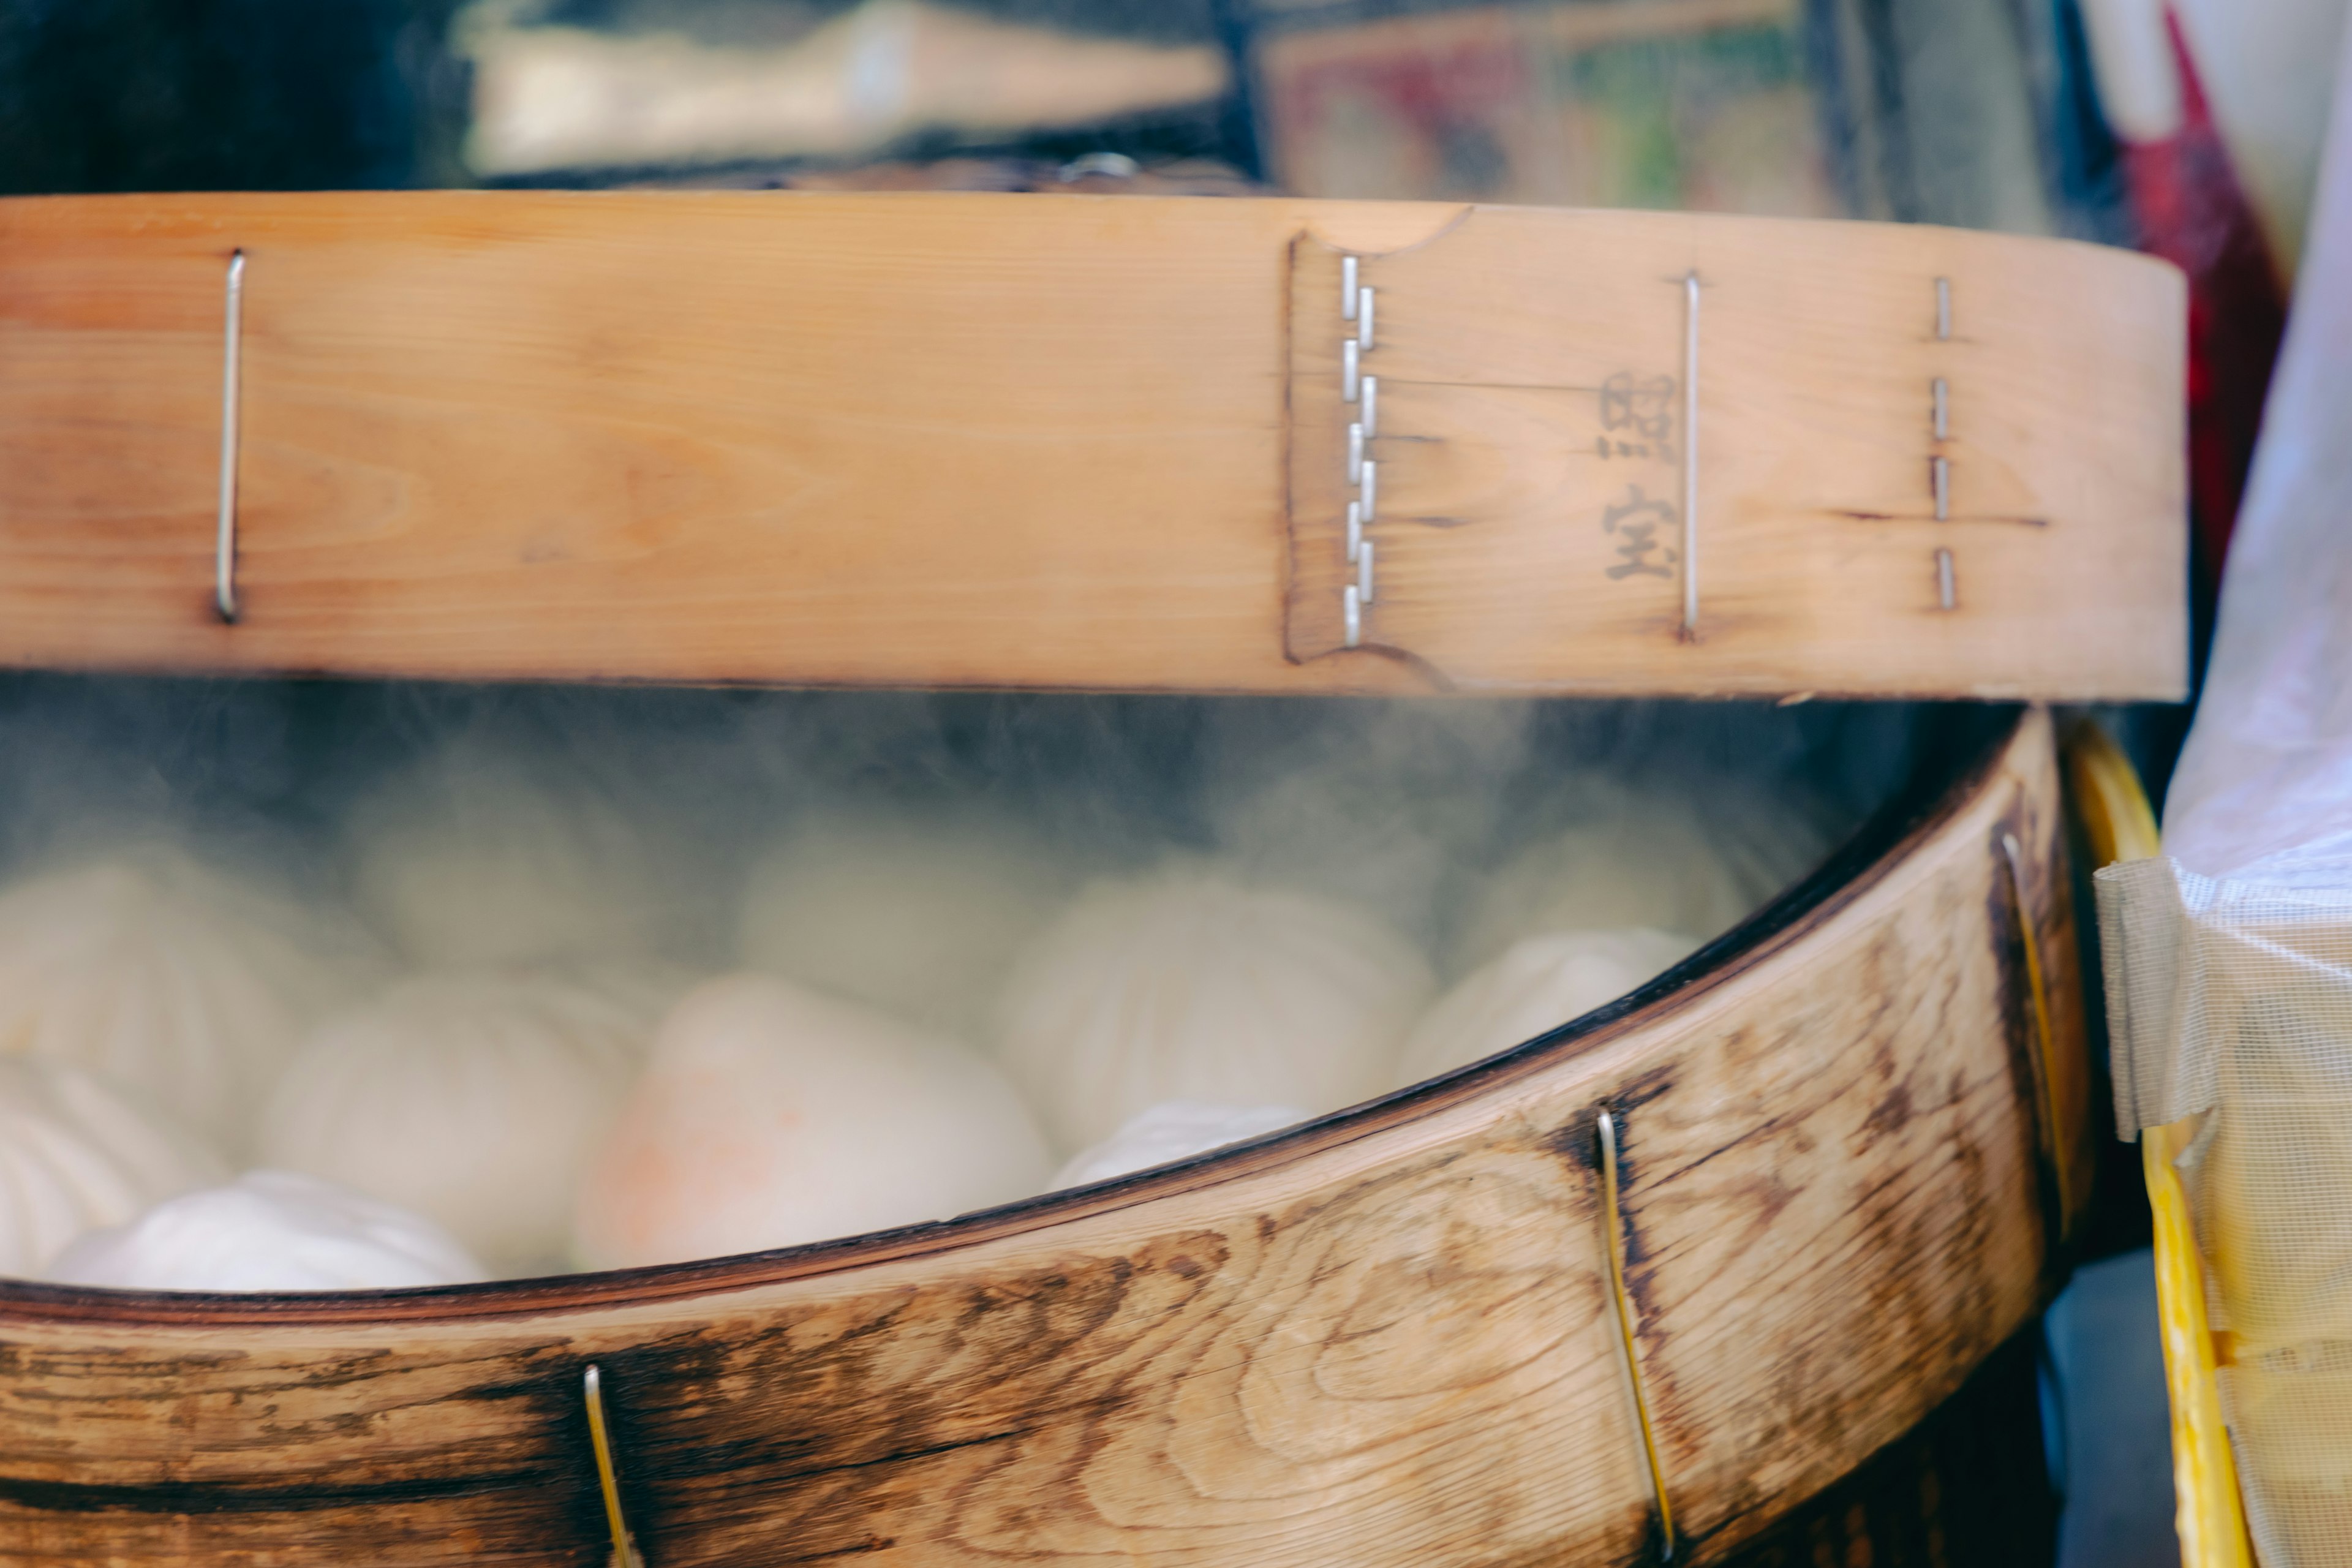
(2263, 793)
(2230, 961)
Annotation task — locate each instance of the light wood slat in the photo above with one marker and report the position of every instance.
(948, 439)
(1531, 445)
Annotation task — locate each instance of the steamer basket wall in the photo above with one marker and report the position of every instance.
(1388, 1337)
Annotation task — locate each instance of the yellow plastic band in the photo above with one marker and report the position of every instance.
(624, 1549)
(1613, 1247)
(2045, 1074)
(2209, 1516)
(2108, 801)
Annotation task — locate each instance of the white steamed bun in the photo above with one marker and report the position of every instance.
(181, 982)
(268, 1230)
(1537, 984)
(1188, 983)
(474, 1098)
(476, 856)
(1171, 1131)
(76, 1154)
(771, 1114)
(1643, 858)
(918, 914)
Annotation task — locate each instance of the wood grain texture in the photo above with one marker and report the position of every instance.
(1531, 435)
(1383, 1339)
(1027, 441)
(1968, 1485)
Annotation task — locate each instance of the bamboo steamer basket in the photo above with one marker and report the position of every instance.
(1632, 1292)
(1389, 1337)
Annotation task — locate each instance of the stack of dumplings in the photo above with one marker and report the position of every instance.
(517, 1029)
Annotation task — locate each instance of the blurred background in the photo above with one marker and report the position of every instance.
(2187, 128)
(2016, 114)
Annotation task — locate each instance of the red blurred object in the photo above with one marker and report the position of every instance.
(2192, 211)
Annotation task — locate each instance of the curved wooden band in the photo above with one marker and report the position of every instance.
(1096, 442)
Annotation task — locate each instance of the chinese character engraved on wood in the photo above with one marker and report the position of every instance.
(1552, 458)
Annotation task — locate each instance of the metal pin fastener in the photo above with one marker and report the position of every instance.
(1943, 309)
(1364, 320)
(1614, 1245)
(1364, 573)
(225, 536)
(1372, 401)
(1351, 609)
(1350, 377)
(1948, 593)
(1355, 530)
(1939, 393)
(1108, 165)
(2045, 1065)
(1355, 452)
(1346, 287)
(1690, 456)
(1939, 476)
(625, 1546)
(1368, 490)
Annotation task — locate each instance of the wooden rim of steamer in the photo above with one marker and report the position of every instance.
(1084, 442)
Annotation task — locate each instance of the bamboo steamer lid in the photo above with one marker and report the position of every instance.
(941, 439)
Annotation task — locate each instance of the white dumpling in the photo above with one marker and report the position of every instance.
(917, 914)
(183, 982)
(771, 1114)
(1644, 858)
(76, 1154)
(1537, 984)
(474, 1097)
(269, 1230)
(1171, 1131)
(476, 858)
(1188, 983)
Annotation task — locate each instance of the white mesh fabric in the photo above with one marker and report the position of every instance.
(2232, 1002)
(2290, 1414)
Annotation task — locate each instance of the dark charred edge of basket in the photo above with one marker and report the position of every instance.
(1953, 765)
(1968, 1484)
